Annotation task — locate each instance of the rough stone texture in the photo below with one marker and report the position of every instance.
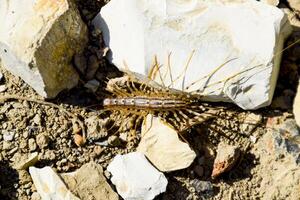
(279, 162)
(135, 178)
(89, 183)
(37, 41)
(286, 141)
(296, 106)
(227, 156)
(49, 185)
(295, 4)
(206, 35)
(158, 137)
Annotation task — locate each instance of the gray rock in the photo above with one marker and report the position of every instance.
(92, 85)
(287, 140)
(1, 76)
(93, 65)
(202, 186)
(38, 41)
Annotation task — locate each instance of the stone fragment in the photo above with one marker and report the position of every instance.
(92, 67)
(135, 178)
(8, 135)
(296, 106)
(285, 141)
(3, 88)
(38, 39)
(26, 162)
(229, 47)
(49, 185)
(92, 85)
(42, 140)
(205, 187)
(114, 141)
(250, 123)
(88, 182)
(158, 137)
(1, 76)
(32, 144)
(226, 158)
(96, 127)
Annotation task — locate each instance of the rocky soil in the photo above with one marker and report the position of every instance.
(268, 137)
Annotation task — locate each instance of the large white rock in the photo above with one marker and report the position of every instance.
(49, 185)
(135, 178)
(161, 145)
(242, 35)
(37, 41)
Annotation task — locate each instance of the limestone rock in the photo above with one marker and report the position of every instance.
(85, 186)
(49, 185)
(38, 39)
(135, 178)
(296, 106)
(228, 47)
(158, 137)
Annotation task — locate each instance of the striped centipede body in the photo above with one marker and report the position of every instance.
(138, 98)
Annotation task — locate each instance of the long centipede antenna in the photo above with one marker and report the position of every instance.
(184, 70)
(169, 68)
(208, 76)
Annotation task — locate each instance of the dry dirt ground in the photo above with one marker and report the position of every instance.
(268, 168)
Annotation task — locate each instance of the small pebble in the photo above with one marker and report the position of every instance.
(202, 186)
(42, 141)
(8, 135)
(32, 144)
(114, 141)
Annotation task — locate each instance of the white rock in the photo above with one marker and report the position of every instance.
(243, 36)
(8, 135)
(296, 106)
(3, 88)
(49, 185)
(135, 178)
(38, 39)
(158, 137)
